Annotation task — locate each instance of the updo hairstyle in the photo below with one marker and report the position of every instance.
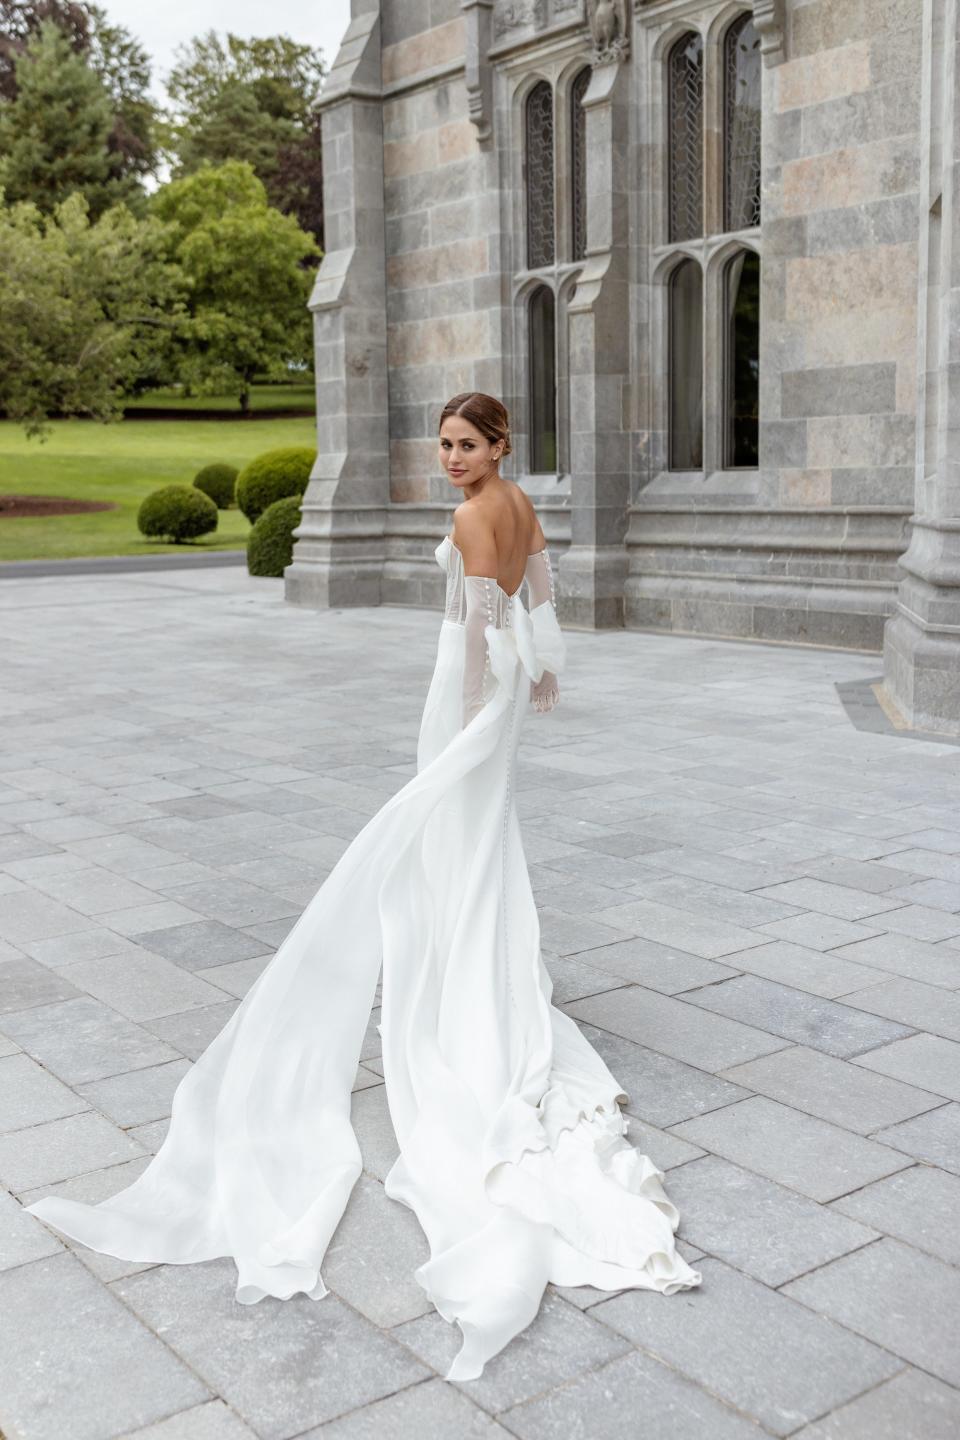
(484, 412)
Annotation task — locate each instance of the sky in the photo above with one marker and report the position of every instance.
(162, 26)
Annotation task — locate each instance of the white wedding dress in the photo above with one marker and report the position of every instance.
(512, 1145)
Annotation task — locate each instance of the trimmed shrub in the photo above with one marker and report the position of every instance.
(177, 513)
(270, 542)
(274, 475)
(219, 482)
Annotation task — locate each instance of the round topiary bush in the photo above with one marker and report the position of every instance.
(270, 542)
(177, 513)
(219, 482)
(273, 476)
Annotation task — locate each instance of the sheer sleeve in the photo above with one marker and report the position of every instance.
(480, 594)
(544, 692)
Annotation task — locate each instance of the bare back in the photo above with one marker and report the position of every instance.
(496, 531)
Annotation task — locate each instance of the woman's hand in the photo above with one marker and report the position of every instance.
(545, 692)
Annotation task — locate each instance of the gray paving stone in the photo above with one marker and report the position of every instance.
(703, 898)
(819, 972)
(912, 959)
(28, 915)
(284, 1365)
(797, 1150)
(433, 1409)
(58, 1321)
(236, 977)
(821, 896)
(840, 1030)
(922, 1327)
(857, 874)
(138, 1097)
(191, 1032)
(205, 943)
(659, 967)
(559, 1344)
(941, 894)
(141, 986)
(30, 1095)
(757, 1226)
(569, 935)
(632, 1395)
(373, 1254)
(63, 950)
(919, 1206)
(573, 980)
(933, 1137)
(22, 1237)
(60, 1148)
(752, 1347)
(25, 983)
(925, 1060)
(819, 932)
(836, 1090)
(922, 922)
(673, 1027)
(370, 1117)
(213, 1421)
(94, 891)
(911, 1406)
(84, 1040)
(924, 1007)
(660, 1090)
(702, 935)
(147, 917)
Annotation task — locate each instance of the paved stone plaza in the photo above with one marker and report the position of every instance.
(750, 904)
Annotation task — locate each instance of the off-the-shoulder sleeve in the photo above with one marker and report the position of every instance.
(541, 592)
(480, 594)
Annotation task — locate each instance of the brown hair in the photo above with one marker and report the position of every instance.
(483, 411)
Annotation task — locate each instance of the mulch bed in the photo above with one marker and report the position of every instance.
(15, 507)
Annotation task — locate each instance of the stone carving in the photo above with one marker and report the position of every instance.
(768, 21)
(479, 77)
(519, 15)
(609, 30)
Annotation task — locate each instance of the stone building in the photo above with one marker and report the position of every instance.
(708, 252)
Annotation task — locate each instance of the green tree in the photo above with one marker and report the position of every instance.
(248, 270)
(54, 135)
(111, 52)
(87, 310)
(252, 100)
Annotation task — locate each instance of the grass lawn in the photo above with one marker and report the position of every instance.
(262, 397)
(123, 462)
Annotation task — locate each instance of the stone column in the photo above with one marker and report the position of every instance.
(593, 570)
(338, 554)
(922, 638)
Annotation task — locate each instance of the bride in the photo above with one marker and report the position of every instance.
(512, 1145)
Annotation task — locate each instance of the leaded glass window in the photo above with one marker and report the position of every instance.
(543, 382)
(685, 119)
(742, 360)
(541, 247)
(686, 367)
(741, 126)
(578, 168)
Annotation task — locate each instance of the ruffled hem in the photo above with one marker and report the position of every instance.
(576, 1204)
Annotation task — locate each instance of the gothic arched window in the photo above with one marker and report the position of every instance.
(741, 126)
(543, 381)
(541, 247)
(686, 367)
(685, 128)
(578, 165)
(742, 360)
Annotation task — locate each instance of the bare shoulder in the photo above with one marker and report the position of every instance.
(473, 535)
(537, 537)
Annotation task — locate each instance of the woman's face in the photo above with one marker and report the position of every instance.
(467, 456)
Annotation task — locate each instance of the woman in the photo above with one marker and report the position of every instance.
(512, 1148)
